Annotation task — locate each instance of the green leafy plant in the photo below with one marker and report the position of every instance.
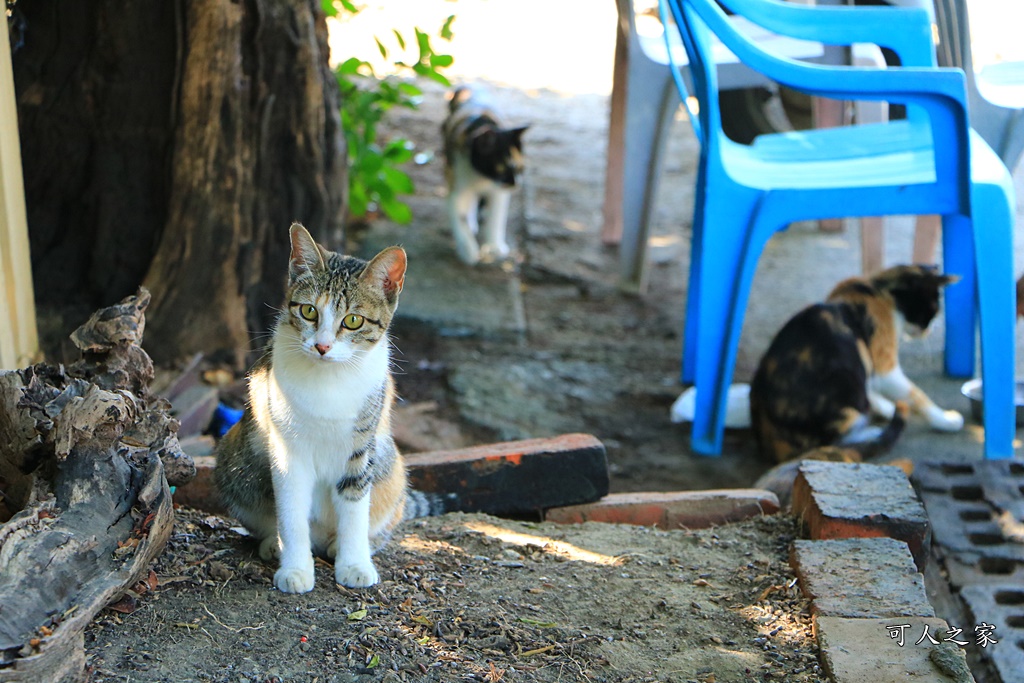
(376, 179)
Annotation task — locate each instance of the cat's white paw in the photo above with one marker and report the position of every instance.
(468, 252)
(945, 420)
(270, 549)
(490, 253)
(356, 575)
(294, 579)
(881, 406)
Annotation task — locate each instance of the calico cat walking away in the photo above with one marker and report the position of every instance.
(312, 465)
(484, 162)
(836, 362)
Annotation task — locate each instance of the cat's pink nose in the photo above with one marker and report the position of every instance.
(323, 348)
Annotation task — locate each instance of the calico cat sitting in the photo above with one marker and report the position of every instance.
(484, 162)
(312, 465)
(835, 363)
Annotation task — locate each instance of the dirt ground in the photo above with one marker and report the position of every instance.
(472, 598)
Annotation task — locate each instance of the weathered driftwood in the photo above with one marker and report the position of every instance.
(83, 456)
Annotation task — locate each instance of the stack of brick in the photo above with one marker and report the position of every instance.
(861, 569)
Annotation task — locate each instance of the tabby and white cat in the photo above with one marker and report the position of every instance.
(484, 161)
(312, 464)
(835, 363)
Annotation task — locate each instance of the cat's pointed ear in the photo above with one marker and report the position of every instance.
(517, 134)
(306, 256)
(387, 270)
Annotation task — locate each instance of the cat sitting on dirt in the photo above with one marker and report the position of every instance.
(484, 161)
(835, 363)
(312, 465)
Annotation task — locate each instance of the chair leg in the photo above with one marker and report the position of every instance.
(926, 238)
(958, 254)
(691, 323)
(647, 122)
(872, 244)
(728, 262)
(996, 293)
(611, 226)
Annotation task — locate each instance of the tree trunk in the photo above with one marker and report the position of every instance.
(173, 143)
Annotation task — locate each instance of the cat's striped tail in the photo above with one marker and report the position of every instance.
(427, 504)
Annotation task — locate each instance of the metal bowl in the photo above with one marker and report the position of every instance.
(972, 390)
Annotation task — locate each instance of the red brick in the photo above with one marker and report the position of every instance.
(858, 500)
(201, 493)
(681, 509)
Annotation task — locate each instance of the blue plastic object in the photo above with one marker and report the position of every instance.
(930, 163)
(224, 418)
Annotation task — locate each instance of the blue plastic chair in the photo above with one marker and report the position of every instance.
(929, 163)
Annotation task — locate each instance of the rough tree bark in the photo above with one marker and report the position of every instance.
(173, 144)
(86, 504)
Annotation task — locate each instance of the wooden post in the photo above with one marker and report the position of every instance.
(19, 341)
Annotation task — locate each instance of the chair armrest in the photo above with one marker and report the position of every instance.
(907, 31)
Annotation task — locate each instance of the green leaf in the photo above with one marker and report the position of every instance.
(358, 202)
(441, 61)
(410, 89)
(397, 211)
(446, 29)
(374, 661)
(358, 615)
(424, 44)
(399, 38)
(439, 78)
(350, 66)
(328, 8)
(349, 6)
(380, 46)
(397, 152)
(399, 181)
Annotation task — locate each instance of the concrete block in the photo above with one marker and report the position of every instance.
(675, 510)
(860, 578)
(860, 650)
(857, 500)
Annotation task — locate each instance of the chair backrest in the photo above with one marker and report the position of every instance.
(706, 118)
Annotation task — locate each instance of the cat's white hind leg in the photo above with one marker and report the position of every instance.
(494, 246)
(463, 206)
(896, 386)
(880, 405)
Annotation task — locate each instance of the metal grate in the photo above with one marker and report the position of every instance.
(976, 512)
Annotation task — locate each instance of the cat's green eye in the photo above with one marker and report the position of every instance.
(352, 321)
(308, 312)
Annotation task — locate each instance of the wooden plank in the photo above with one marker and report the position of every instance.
(515, 477)
(19, 341)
